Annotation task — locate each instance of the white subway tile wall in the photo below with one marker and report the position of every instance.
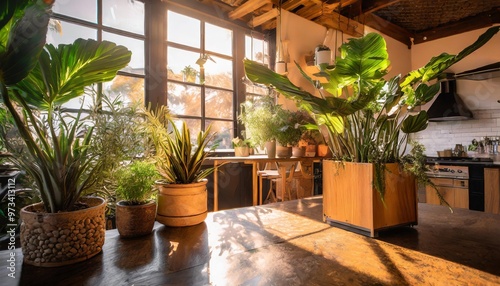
(444, 135)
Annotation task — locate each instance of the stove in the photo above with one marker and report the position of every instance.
(448, 171)
(459, 160)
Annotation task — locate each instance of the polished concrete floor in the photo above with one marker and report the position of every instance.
(288, 244)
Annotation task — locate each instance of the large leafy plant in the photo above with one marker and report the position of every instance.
(36, 79)
(368, 118)
(177, 160)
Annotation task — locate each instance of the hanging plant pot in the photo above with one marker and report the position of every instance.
(57, 239)
(182, 204)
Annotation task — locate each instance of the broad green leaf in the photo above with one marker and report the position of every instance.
(415, 123)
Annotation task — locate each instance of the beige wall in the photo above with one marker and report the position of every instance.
(302, 36)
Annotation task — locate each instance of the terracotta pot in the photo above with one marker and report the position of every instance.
(135, 220)
(298, 151)
(310, 151)
(283, 151)
(57, 239)
(182, 204)
(324, 151)
(241, 151)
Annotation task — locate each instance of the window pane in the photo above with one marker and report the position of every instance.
(194, 126)
(224, 130)
(81, 9)
(136, 64)
(68, 32)
(219, 40)
(124, 15)
(220, 73)
(183, 29)
(85, 99)
(131, 89)
(219, 103)
(256, 49)
(184, 99)
(182, 65)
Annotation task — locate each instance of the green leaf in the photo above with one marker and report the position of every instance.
(415, 123)
(63, 72)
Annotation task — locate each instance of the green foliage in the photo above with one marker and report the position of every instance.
(58, 156)
(177, 161)
(290, 126)
(367, 117)
(135, 182)
(260, 119)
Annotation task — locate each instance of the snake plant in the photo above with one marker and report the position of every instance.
(35, 80)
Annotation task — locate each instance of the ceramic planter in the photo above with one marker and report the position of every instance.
(283, 151)
(57, 239)
(351, 201)
(298, 152)
(270, 147)
(135, 220)
(182, 204)
(241, 151)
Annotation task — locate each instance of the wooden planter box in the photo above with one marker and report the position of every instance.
(351, 201)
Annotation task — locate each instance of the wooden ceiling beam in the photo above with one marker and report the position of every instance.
(292, 4)
(247, 8)
(479, 21)
(259, 20)
(345, 25)
(388, 28)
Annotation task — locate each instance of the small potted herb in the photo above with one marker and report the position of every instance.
(136, 212)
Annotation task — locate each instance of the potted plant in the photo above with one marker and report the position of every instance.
(182, 193)
(241, 147)
(36, 80)
(136, 212)
(189, 74)
(368, 120)
(290, 131)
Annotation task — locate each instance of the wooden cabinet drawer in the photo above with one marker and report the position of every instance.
(445, 182)
(461, 183)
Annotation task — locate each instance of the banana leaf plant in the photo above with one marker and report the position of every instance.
(36, 79)
(367, 118)
(177, 160)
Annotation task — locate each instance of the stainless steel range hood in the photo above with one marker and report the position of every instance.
(482, 73)
(448, 106)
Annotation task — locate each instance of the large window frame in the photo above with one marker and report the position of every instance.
(155, 46)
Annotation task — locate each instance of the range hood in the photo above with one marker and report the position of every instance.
(482, 73)
(448, 106)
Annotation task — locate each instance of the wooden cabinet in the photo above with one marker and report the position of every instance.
(454, 191)
(492, 190)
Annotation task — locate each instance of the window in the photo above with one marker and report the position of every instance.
(204, 70)
(121, 22)
(195, 67)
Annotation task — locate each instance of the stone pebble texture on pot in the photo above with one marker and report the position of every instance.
(50, 240)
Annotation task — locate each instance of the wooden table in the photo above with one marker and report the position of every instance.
(285, 244)
(253, 160)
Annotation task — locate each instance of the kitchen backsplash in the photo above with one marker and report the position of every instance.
(444, 135)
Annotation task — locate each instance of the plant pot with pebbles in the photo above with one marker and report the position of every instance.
(57, 239)
(55, 149)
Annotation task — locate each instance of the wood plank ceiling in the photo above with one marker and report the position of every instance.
(408, 21)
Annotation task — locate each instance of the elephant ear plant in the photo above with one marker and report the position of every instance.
(368, 118)
(35, 81)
